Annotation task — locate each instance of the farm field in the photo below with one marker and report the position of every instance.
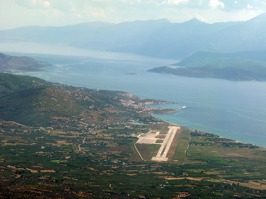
(36, 162)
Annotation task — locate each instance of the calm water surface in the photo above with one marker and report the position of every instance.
(231, 109)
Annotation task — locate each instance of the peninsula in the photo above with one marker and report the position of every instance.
(240, 66)
(11, 64)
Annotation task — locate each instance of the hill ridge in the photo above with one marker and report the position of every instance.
(156, 38)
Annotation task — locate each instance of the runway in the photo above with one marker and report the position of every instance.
(163, 151)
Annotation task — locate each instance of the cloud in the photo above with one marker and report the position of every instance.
(46, 3)
(131, 1)
(96, 12)
(34, 3)
(64, 12)
(250, 6)
(216, 4)
(175, 2)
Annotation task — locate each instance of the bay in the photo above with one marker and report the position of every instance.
(230, 109)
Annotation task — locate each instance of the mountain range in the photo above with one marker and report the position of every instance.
(156, 38)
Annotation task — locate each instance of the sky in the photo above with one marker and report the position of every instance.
(18, 13)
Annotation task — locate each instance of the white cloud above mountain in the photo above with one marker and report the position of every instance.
(176, 2)
(216, 4)
(14, 13)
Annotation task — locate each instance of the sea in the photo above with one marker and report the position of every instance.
(231, 109)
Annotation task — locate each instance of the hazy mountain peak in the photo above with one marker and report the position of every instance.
(150, 21)
(157, 37)
(259, 18)
(91, 24)
(194, 21)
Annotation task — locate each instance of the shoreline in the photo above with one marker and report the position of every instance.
(208, 132)
(164, 112)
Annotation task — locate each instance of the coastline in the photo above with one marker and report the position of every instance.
(158, 116)
(221, 132)
(158, 112)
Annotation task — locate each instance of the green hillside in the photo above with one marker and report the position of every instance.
(11, 83)
(10, 63)
(245, 66)
(34, 102)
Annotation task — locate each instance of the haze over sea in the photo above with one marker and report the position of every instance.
(230, 109)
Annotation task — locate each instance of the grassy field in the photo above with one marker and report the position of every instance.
(181, 144)
(148, 150)
(232, 162)
(38, 162)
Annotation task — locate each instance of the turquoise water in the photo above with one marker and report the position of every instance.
(230, 109)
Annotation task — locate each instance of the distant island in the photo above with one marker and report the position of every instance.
(242, 66)
(10, 63)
